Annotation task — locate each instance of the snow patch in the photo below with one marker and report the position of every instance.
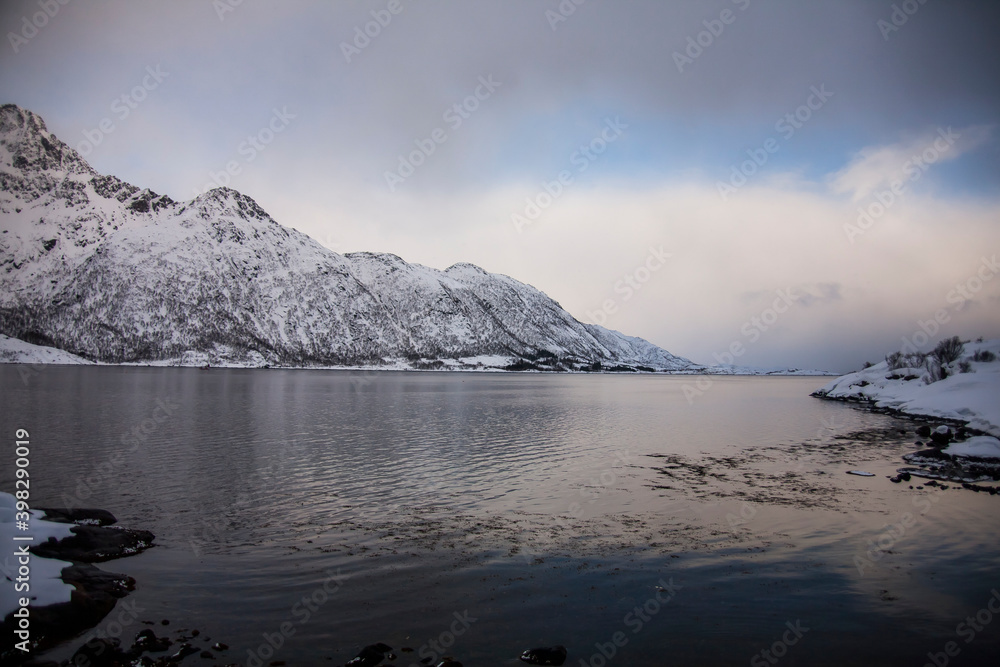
(47, 587)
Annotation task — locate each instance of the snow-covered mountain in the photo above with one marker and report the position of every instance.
(99, 268)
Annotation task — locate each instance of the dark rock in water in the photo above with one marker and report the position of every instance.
(555, 655)
(208, 655)
(924, 431)
(95, 596)
(219, 646)
(94, 544)
(370, 655)
(90, 517)
(941, 436)
(185, 651)
(929, 454)
(101, 652)
(146, 640)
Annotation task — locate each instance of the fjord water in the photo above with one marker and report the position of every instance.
(477, 515)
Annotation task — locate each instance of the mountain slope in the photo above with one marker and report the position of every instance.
(102, 269)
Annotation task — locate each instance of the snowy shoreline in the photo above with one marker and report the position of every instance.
(16, 351)
(968, 394)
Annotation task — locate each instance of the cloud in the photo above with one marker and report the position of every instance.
(820, 293)
(878, 167)
(324, 174)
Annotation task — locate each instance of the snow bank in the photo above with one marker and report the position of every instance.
(981, 446)
(46, 585)
(973, 398)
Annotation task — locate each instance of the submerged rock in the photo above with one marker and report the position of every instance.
(101, 652)
(555, 655)
(184, 651)
(95, 544)
(370, 655)
(83, 517)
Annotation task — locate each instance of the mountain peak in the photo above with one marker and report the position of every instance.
(27, 145)
(14, 117)
(226, 201)
(465, 269)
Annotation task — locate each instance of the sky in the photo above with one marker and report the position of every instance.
(762, 182)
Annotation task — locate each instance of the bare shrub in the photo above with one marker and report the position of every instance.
(984, 355)
(948, 350)
(898, 360)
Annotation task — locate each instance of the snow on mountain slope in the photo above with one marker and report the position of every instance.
(97, 267)
(14, 351)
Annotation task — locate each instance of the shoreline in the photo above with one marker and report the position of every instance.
(90, 536)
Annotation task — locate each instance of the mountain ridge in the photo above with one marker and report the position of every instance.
(110, 272)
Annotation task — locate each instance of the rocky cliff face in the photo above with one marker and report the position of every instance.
(100, 268)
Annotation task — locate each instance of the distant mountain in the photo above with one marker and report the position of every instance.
(99, 268)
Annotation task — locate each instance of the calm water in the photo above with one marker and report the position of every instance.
(542, 509)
